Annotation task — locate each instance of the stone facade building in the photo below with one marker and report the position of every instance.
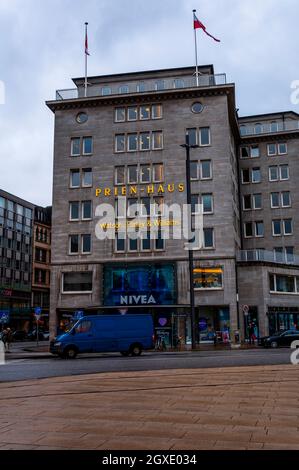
(123, 142)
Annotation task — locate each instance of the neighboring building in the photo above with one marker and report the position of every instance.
(42, 262)
(19, 291)
(16, 226)
(125, 139)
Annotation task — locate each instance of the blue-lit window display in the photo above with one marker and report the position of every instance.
(144, 285)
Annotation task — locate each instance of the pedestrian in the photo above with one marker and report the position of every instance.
(9, 338)
(4, 337)
(251, 333)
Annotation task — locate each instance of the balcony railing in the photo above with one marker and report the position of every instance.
(263, 256)
(248, 130)
(141, 87)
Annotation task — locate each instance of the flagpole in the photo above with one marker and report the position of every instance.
(85, 84)
(196, 52)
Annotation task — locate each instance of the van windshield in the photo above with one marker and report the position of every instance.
(83, 327)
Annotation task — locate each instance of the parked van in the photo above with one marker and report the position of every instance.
(127, 334)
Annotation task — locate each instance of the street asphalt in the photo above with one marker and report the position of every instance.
(37, 368)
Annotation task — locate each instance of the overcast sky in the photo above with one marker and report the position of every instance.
(41, 49)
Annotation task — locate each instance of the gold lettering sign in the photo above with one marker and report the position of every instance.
(139, 190)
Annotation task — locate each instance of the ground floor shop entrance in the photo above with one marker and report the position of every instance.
(213, 325)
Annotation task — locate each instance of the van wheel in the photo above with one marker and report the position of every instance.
(136, 350)
(124, 353)
(70, 353)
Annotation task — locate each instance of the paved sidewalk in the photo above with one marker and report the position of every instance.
(232, 408)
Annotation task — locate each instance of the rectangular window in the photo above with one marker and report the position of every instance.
(132, 142)
(192, 133)
(194, 171)
(284, 172)
(194, 204)
(158, 173)
(156, 111)
(132, 174)
(244, 152)
(145, 208)
(204, 137)
(146, 241)
(133, 244)
(145, 174)
(206, 169)
(282, 149)
(132, 113)
(120, 114)
(160, 241)
(247, 202)
(121, 207)
(259, 229)
(75, 179)
(87, 178)
(290, 254)
(160, 85)
(74, 210)
(74, 244)
(120, 143)
(77, 282)
(272, 150)
(120, 242)
(86, 210)
(207, 203)
(145, 113)
(278, 255)
(286, 199)
(145, 141)
(273, 173)
(208, 278)
(257, 201)
(285, 284)
(275, 200)
(76, 147)
(248, 228)
(245, 176)
(119, 175)
(133, 207)
(254, 151)
(208, 238)
(106, 90)
(256, 175)
(276, 228)
(288, 227)
(87, 145)
(86, 243)
(157, 140)
(159, 206)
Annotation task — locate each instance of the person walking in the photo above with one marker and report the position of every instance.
(4, 334)
(9, 339)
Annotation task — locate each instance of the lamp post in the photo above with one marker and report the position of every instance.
(187, 146)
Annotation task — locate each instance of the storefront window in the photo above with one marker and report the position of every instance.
(208, 278)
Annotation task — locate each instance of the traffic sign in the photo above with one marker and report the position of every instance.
(245, 310)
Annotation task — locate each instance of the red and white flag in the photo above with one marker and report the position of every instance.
(198, 25)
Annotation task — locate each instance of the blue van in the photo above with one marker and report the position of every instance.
(127, 334)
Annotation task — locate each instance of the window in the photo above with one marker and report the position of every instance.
(275, 200)
(245, 152)
(179, 83)
(274, 127)
(194, 173)
(158, 173)
(284, 172)
(206, 169)
(257, 202)
(289, 250)
(120, 114)
(207, 203)
(245, 176)
(86, 210)
(276, 228)
(254, 151)
(133, 243)
(77, 282)
(145, 113)
(106, 90)
(204, 137)
(208, 238)
(74, 244)
(282, 149)
(160, 85)
(256, 175)
(208, 278)
(87, 145)
(145, 174)
(159, 206)
(259, 229)
(132, 174)
(286, 199)
(145, 141)
(159, 241)
(156, 111)
(133, 207)
(86, 243)
(141, 87)
(278, 255)
(132, 113)
(87, 178)
(145, 208)
(272, 150)
(194, 204)
(288, 227)
(243, 130)
(192, 133)
(146, 241)
(120, 143)
(75, 147)
(74, 210)
(258, 129)
(120, 242)
(121, 207)
(248, 230)
(247, 203)
(119, 175)
(273, 173)
(75, 179)
(132, 141)
(123, 89)
(283, 284)
(157, 140)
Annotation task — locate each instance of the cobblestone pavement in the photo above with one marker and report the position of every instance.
(222, 408)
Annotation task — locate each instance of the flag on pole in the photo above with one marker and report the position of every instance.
(86, 41)
(198, 25)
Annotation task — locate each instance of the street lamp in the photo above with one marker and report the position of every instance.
(187, 146)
